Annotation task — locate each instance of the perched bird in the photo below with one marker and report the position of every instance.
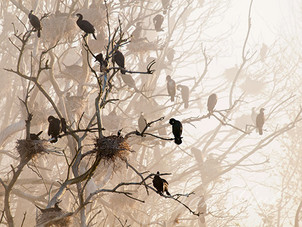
(119, 59)
(103, 62)
(212, 100)
(142, 123)
(171, 87)
(158, 21)
(170, 55)
(160, 184)
(54, 128)
(85, 25)
(184, 94)
(35, 22)
(177, 130)
(34, 136)
(137, 33)
(260, 121)
(165, 4)
(263, 52)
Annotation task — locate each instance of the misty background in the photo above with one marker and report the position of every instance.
(246, 52)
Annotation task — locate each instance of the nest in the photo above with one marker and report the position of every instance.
(111, 147)
(53, 218)
(30, 148)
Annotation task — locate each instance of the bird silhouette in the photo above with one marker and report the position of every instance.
(160, 184)
(103, 62)
(85, 25)
(260, 121)
(142, 123)
(119, 59)
(177, 130)
(35, 22)
(171, 87)
(184, 94)
(54, 128)
(158, 21)
(34, 136)
(137, 33)
(165, 5)
(212, 100)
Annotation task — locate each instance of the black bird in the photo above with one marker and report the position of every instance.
(177, 130)
(260, 121)
(184, 94)
(35, 22)
(85, 25)
(119, 59)
(171, 87)
(34, 136)
(103, 62)
(158, 21)
(54, 128)
(212, 100)
(63, 125)
(160, 184)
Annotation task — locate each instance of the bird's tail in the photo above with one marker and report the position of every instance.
(177, 140)
(260, 131)
(39, 133)
(172, 98)
(166, 188)
(94, 36)
(186, 105)
(39, 33)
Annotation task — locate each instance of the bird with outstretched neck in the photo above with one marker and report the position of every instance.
(35, 22)
(160, 184)
(177, 130)
(85, 25)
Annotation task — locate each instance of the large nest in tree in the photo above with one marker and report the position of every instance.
(54, 218)
(29, 148)
(112, 147)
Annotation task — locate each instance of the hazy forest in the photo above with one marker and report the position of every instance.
(150, 113)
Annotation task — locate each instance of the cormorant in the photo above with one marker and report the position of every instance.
(85, 25)
(54, 128)
(160, 184)
(141, 122)
(102, 61)
(184, 94)
(165, 4)
(212, 100)
(177, 130)
(35, 22)
(260, 121)
(34, 136)
(119, 59)
(136, 34)
(171, 87)
(158, 21)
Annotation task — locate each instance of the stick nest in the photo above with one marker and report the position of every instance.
(111, 147)
(54, 218)
(30, 148)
